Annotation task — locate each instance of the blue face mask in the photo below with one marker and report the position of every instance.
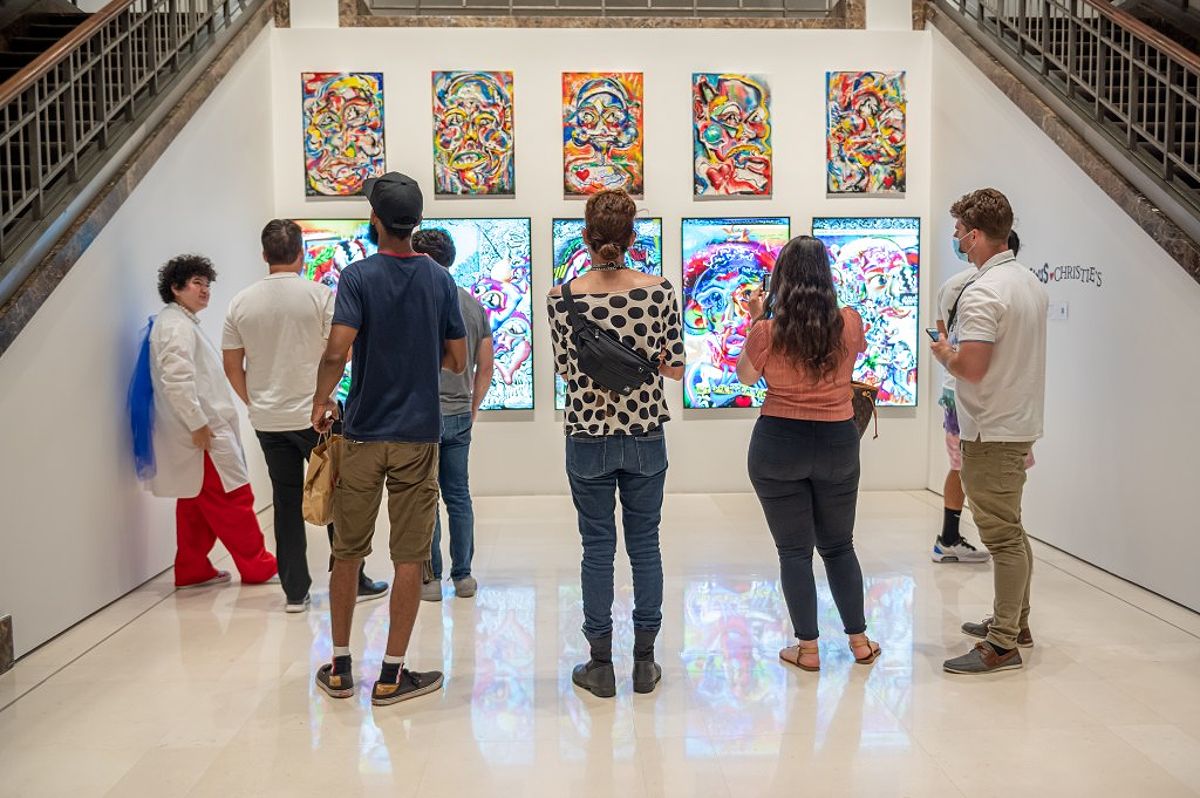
(958, 250)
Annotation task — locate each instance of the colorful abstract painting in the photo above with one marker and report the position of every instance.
(571, 260)
(493, 263)
(343, 131)
(866, 144)
(602, 132)
(731, 125)
(876, 264)
(473, 133)
(724, 260)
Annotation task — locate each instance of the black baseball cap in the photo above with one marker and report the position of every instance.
(396, 200)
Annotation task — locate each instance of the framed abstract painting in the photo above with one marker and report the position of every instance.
(866, 143)
(876, 264)
(724, 261)
(731, 135)
(343, 131)
(603, 128)
(473, 141)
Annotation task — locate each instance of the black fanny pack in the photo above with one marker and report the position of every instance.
(606, 360)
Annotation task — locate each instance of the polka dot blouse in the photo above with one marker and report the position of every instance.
(646, 319)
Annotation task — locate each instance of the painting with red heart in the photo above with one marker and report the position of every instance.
(602, 132)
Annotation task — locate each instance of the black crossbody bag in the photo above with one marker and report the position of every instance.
(606, 360)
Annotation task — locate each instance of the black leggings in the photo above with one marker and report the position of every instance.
(806, 476)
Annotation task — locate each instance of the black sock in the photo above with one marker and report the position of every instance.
(1000, 651)
(950, 520)
(341, 665)
(390, 672)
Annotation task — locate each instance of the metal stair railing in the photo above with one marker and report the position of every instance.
(61, 112)
(1132, 84)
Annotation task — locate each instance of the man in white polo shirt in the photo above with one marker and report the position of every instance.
(996, 350)
(274, 337)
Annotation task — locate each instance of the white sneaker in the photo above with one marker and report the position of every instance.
(432, 590)
(299, 606)
(962, 551)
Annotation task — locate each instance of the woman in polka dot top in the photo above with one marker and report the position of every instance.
(616, 441)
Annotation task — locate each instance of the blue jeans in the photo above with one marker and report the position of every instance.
(597, 468)
(456, 493)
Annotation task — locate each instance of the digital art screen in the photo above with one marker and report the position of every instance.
(493, 263)
(571, 260)
(724, 260)
(876, 264)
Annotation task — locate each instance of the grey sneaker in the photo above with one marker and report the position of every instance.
(465, 587)
(981, 629)
(432, 591)
(962, 551)
(983, 659)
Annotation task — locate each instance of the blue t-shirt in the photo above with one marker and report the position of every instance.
(403, 309)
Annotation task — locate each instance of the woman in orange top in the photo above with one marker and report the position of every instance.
(803, 458)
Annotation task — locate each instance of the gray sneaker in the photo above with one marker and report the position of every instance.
(981, 629)
(431, 591)
(983, 659)
(465, 587)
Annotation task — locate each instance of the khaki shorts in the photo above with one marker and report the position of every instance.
(410, 471)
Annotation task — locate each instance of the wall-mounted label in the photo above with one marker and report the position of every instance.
(1085, 275)
(1057, 311)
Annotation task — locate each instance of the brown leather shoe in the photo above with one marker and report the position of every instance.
(983, 659)
(981, 629)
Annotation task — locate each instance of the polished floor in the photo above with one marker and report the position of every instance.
(210, 692)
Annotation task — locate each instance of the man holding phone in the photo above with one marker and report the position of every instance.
(995, 348)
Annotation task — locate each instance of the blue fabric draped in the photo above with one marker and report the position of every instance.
(141, 408)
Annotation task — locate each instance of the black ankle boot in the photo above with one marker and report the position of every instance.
(646, 672)
(597, 675)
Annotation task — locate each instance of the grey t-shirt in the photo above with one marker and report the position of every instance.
(456, 388)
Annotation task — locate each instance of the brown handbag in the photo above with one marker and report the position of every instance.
(863, 396)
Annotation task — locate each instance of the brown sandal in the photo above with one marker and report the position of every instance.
(874, 655)
(801, 650)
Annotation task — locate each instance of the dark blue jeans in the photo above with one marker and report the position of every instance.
(456, 493)
(597, 468)
(806, 476)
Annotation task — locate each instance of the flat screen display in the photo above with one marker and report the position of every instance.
(876, 262)
(724, 260)
(493, 263)
(571, 260)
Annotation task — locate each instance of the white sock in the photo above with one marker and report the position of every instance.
(341, 651)
(388, 659)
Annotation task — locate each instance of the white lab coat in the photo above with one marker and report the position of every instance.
(190, 391)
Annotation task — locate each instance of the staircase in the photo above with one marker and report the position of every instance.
(1127, 89)
(31, 35)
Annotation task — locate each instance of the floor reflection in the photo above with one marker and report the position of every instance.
(502, 698)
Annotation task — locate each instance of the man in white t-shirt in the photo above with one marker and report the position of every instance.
(996, 351)
(274, 337)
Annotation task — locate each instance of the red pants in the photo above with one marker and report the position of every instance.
(213, 515)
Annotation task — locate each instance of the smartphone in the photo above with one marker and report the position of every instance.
(766, 284)
(933, 333)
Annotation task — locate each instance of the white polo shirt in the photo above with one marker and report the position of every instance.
(1004, 306)
(282, 322)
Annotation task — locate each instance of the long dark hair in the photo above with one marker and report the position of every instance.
(808, 325)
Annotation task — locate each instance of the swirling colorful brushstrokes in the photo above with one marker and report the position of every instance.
(343, 131)
(473, 133)
(876, 264)
(866, 143)
(724, 260)
(731, 141)
(602, 132)
(571, 260)
(494, 260)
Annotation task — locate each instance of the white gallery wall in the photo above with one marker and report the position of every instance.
(1117, 471)
(522, 452)
(78, 530)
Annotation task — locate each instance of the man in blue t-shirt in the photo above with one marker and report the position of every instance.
(399, 310)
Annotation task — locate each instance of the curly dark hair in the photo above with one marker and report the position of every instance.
(986, 210)
(176, 272)
(808, 324)
(437, 244)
